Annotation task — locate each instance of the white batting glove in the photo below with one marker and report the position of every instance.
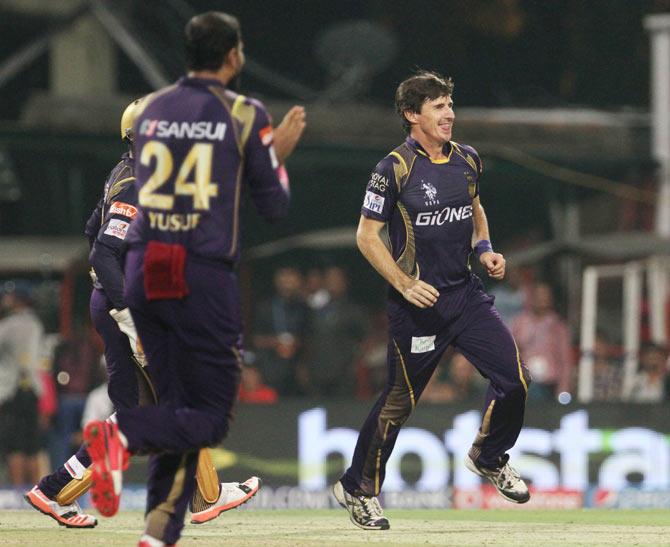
(127, 327)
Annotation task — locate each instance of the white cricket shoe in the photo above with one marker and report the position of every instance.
(66, 515)
(505, 478)
(231, 495)
(364, 511)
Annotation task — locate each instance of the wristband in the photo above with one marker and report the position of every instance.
(483, 246)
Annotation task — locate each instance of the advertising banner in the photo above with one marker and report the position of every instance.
(608, 455)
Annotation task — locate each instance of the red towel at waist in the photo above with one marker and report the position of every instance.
(164, 267)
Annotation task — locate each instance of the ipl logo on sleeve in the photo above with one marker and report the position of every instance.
(373, 202)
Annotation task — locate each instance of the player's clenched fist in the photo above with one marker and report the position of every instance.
(420, 294)
(494, 264)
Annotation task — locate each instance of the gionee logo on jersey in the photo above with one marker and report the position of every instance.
(164, 129)
(448, 214)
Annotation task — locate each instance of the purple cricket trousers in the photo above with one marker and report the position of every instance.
(466, 319)
(122, 385)
(193, 348)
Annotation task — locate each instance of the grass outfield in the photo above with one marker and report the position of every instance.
(332, 527)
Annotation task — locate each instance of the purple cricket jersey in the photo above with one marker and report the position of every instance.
(196, 145)
(107, 229)
(428, 207)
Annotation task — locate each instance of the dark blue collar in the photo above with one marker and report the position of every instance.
(414, 145)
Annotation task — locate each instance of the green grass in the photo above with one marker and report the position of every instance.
(332, 527)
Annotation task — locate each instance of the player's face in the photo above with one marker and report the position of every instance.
(436, 119)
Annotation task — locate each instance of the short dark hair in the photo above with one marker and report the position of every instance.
(209, 37)
(417, 89)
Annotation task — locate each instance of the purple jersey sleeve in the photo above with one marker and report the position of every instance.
(267, 179)
(471, 153)
(107, 251)
(381, 191)
(93, 223)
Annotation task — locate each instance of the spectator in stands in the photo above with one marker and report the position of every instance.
(252, 388)
(337, 329)
(511, 295)
(371, 366)
(280, 326)
(607, 381)
(77, 371)
(21, 339)
(543, 338)
(316, 294)
(98, 404)
(650, 381)
(460, 382)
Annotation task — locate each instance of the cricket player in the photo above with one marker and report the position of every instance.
(198, 146)
(129, 383)
(426, 192)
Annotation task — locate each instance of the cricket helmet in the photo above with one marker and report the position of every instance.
(128, 119)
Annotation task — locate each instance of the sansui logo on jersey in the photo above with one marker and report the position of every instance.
(448, 214)
(164, 129)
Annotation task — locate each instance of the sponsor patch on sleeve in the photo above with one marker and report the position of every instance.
(266, 135)
(422, 344)
(373, 202)
(117, 228)
(123, 209)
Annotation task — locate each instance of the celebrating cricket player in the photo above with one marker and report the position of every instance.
(426, 192)
(129, 382)
(198, 146)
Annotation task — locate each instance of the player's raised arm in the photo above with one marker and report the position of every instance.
(264, 169)
(369, 242)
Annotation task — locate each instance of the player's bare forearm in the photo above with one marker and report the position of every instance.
(481, 225)
(492, 261)
(372, 247)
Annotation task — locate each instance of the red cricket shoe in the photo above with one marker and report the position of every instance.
(110, 459)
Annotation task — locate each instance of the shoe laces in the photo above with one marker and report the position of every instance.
(508, 476)
(68, 511)
(371, 506)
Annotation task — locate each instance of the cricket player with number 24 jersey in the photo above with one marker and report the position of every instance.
(426, 192)
(198, 147)
(129, 381)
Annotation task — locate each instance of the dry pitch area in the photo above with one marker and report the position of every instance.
(322, 528)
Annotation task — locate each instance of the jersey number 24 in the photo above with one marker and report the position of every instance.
(198, 160)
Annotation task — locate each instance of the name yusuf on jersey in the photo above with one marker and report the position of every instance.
(173, 222)
(448, 214)
(164, 129)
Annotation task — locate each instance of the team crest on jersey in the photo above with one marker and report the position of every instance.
(472, 185)
(430, 193)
